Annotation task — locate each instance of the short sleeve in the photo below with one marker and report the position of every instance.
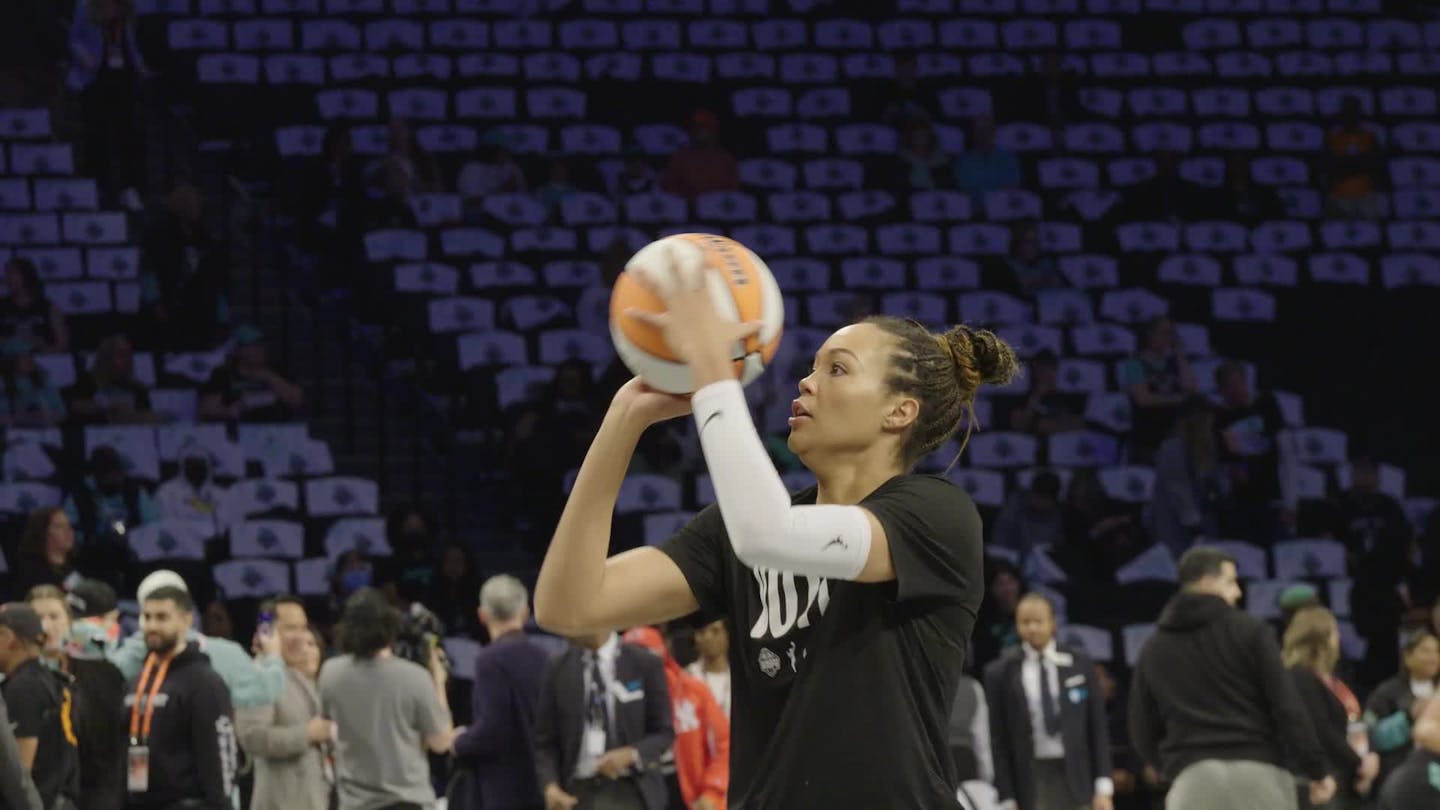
(431, 717)
(934, 534)
(29, 702)
(700, 549)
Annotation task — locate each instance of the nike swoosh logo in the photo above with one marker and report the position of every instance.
(711, 418)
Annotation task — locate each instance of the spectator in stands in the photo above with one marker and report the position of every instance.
(216, 621)
(387, 710)
(99, 691)
(1371, 523)
(492, 171)
(1394, 705)
(252, 681)
(1189, 488)
(410, 570)
(193, 495)
(184, 721)
(288, 740)
(406, 162)
(923, 165)
(592, 749)
(636, 175)
(702, 165)
(31, 399)
(1249, 453)
(1032, 519)
(558, 184)
(1048, 731)
(495, 752)
(391, 206)
(1311, 651)
(985, 167)
(1241, 200)
(1031, 269)
(246, 389)
(903, 101)
(1211, 705)
(1354, 166)
(39, 705)
(105, 69)
(454, 598)
(995, 625)
(109, 392)
(184, 275)
(712, 643)
(44, 553)
(1046, 409)
(1166, 195)
(701, 749)
(1158, 379)
(17, 789)
(107, 504)
(26, 312)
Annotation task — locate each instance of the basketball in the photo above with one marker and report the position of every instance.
(744, 291)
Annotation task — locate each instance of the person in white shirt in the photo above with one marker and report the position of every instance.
(1049, 738)
(192, 494)
(712, 642)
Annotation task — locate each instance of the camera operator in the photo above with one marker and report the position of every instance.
(385, 709)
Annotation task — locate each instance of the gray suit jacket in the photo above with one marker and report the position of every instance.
(289, 771)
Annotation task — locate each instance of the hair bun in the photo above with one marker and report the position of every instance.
(982, 353)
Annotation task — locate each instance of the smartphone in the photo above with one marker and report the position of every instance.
(266, 624)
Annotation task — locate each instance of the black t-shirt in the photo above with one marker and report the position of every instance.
(1248, 447)
(258, 401)
(32, 321)
(39, 705)
(841, 690)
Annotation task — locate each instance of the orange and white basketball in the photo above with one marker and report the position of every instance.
(743, 291)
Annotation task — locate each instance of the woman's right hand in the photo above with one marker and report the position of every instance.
(644, 406)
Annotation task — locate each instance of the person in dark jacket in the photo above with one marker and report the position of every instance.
(496, 749)
(1414, 785)
(98, 689)
(182, 737)
(1047, 720)
(1311, 650)
(1395, 704)
(1211, 705)
(39, 701)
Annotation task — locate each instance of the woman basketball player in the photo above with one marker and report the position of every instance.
(850, 603)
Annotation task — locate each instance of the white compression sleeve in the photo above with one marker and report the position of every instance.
(766, 530)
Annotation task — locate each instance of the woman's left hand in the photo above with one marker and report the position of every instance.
(691, 326)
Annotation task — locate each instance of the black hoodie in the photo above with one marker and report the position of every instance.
(192, 738)
(1210, 685)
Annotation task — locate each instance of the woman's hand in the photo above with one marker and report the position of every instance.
(691, 326)
(645, 406)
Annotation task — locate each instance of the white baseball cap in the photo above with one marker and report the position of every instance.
(164, 578)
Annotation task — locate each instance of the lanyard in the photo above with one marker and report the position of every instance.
(140, 730)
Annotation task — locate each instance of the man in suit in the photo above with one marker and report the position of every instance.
(1047, 720)
(496, 749)
(601, 727)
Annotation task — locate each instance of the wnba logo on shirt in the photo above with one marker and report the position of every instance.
(787, 602)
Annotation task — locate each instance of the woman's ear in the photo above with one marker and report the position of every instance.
(902, 414)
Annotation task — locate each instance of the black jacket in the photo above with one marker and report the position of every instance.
(1210, 685)
(99, 689)
(192, 738)
(1082, 727)
(644, 722)
(1331, 725)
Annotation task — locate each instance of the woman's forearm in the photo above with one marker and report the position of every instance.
(574, 567)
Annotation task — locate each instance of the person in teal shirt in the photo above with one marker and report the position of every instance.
(252, 681)
(30, 399)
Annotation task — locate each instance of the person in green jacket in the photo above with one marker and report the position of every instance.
(252, 680)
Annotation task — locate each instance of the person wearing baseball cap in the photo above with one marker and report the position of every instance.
(252, 681)
(38, 701)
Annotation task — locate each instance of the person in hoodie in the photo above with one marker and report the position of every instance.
(108, 504)
(182, 749)
(1211, 705)
(192, 494)
(255, 681)
(702, 732)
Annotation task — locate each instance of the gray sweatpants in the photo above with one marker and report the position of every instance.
(1213, 784)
